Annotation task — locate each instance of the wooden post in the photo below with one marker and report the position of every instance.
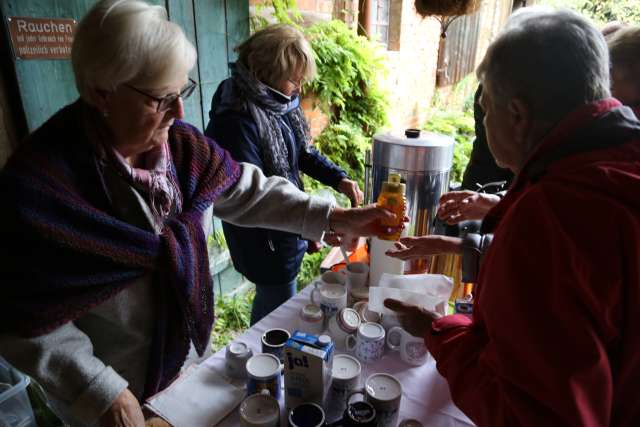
(364, 18)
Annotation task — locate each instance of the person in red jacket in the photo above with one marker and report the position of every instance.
(555, 334)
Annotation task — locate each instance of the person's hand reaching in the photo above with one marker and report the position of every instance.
(363, 221)
(350, 189)
(457, 206)
(410, 248)
(415, 320)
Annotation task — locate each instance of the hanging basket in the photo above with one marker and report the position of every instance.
(446, 7)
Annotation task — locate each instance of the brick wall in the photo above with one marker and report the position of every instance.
(411, 76)
(315, 117)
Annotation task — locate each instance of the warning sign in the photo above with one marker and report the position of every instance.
(41, 38)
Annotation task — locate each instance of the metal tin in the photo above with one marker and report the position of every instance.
(430, 152)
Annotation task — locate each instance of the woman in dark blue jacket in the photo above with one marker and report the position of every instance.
(256, 116)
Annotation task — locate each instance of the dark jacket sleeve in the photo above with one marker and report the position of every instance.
(474, 246)
(320, 168)
(238, 135)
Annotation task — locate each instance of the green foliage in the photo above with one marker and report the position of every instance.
(345, 145)
(602, 11)
(217, 240)
(310, 267)
(460, 125)
(348, 68)
(233, 314)
(284, 12)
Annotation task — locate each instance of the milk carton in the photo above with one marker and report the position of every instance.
(308, 362)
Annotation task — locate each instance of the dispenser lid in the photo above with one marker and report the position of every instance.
(413, 150)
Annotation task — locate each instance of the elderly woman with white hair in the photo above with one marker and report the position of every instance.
(256, 116)
(553, 340)
(105, 275)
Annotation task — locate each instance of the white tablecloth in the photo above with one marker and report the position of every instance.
(425, 395)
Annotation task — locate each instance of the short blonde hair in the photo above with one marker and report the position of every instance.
(129, 41)
(624, 47)
(276, 53)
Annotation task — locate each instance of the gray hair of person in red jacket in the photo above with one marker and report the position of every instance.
(543, 65)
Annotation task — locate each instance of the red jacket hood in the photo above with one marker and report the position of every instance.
(595, 148)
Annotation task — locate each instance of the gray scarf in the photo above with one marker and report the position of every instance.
(267, 112)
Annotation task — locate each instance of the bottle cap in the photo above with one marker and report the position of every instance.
(324, 340)
(393, 184)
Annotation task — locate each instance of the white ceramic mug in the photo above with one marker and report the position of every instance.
(235, 359)
(357, 295)
(307, 414)
(331, 297)
(357, 275)
(311, 319)
(412, 349)
(345, 378)
(368, 344)
(334, 277)
(366, 315)
(384, 392)
(264, 371)
(273, 341)
(389, 320)
(260, 410)
(344, 323)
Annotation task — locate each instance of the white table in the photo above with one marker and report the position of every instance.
(425, 394)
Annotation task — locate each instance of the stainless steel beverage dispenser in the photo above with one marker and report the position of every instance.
(423, 159)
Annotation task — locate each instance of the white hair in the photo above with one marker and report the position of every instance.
(129, 41)
(552, 60)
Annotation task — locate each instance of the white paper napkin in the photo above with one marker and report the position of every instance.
(430, 291)
(201, 397)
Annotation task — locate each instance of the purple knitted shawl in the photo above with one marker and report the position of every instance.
(63, 252)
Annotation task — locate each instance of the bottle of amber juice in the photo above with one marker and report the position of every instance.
(392, 197)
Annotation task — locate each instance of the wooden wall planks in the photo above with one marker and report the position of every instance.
(214, 26)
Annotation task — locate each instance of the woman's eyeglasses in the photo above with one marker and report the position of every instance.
(296, 84)
(167, 101)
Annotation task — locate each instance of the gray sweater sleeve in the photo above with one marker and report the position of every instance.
(274, 202)
(62, 361)
(474, 246)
